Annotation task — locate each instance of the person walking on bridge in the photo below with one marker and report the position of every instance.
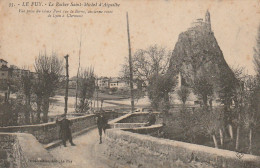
(101, 124)
(65, 132)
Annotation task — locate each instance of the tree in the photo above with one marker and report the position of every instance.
(203, 88)
(183, 94)
(26, 89)
(158, 90)
(252, 94)
(86, 88)
(191, 123)
(151, 66)
(230, 90)
(228, 84)
(147, 62)
(245, 105)
(138, 94)
(212, 124)
(249, 117)
(38, 95)
(49, 70)
(9, 114)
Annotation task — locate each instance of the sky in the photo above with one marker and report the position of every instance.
(104, 36)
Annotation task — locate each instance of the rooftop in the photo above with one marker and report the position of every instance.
(2, 60)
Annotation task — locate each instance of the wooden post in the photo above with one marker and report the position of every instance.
(67, 85)
(130, 66)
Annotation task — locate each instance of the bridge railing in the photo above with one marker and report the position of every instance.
(130, 143)
(49, 132)
(151, 152)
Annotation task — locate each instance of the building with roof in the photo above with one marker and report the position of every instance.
(200, 24)
(18, 73)
(12, 72)
(3, 62)
(103, 82)
(4, 70)
(118, 83)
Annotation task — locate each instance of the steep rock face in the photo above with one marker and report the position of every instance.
(197, 54)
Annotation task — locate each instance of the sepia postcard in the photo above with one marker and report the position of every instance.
(129, 84)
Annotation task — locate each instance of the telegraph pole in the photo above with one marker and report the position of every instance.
(97, 95)
(130, 66)
(67, 85)
(77, 82)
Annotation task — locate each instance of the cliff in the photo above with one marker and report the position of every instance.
(197, 53)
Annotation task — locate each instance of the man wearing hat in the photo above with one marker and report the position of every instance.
(65, 132)
(101, 124)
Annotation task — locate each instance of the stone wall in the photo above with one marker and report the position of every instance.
(128, 122)
(19, 150)
(49, 132)
(140, 118)
(126, 125)
(145, 129)
(150, 152)
(133, 120)
(10, 152)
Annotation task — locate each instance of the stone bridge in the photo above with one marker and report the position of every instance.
(127, 144)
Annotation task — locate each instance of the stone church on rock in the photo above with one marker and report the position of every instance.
(198, 55)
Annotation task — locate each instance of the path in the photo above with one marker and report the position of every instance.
(87, 153)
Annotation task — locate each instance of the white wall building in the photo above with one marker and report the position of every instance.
(118, 83)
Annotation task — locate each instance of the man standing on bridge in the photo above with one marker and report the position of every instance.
(65, 132)
(151, 119)
(101, 124)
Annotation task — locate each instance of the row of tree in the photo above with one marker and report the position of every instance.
(34, 92)
(238, 92)
(219, 122)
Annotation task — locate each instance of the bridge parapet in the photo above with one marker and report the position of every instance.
(49, 132)
(138, 117)
(145, 129)
(133, 120)
(128, 122)
(150, 152)
(129, 143)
